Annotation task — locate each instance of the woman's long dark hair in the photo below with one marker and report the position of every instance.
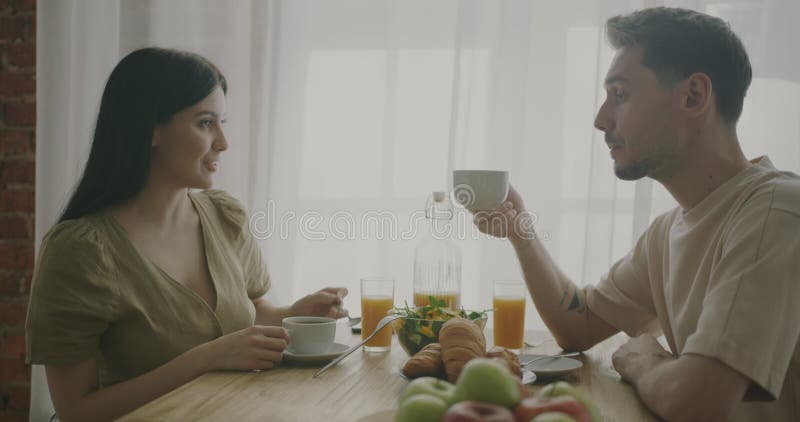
(144, 90)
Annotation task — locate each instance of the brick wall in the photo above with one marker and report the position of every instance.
(17, 172)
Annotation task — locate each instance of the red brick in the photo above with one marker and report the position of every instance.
(20, 114)
(16, 256)
(14, 345)
(26, 5)
(17, 171)
(18, 397)
(14, 370)
(18, 27)
(15, 83)
(15, 227)
(22, 55)
(12, 314)
(17, 200)
(6, 6)
(13, 142)
(14, 283)
(13, 417)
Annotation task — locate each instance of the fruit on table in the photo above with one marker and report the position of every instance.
(553, 417)
(531, 407)
(562, 388)
(462, 340)
(426, 363)
(430, 386)
(508, 357)
(472, 411)
(488, 381)
(421, 408)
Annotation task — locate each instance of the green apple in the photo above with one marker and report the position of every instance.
(421, 408)
(553, 417)
(429, 385)
(488, 381)
(563, 388)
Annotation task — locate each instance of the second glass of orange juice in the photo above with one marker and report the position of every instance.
(509, 314)
(377, 298)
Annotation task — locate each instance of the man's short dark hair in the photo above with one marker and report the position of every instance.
(679, 42)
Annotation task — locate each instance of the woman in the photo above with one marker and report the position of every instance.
(143, 285)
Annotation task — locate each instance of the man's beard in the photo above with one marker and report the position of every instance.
(634, 171)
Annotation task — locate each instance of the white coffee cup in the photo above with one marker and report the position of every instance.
(480, 190)
(309, 334)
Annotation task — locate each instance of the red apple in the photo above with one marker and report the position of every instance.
(533, 406)
(473, 411)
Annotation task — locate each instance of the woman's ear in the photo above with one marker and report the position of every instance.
(157, 135)
(699, 95)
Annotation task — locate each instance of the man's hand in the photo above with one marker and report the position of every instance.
(510, 220)
(637, 356)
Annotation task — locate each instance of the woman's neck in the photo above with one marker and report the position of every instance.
(157, 206)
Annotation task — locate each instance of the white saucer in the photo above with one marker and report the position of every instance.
(550, 367)
(335, 350)
(528, 377)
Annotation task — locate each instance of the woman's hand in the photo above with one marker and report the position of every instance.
(256, 347)
(510, 220)
(325, 303)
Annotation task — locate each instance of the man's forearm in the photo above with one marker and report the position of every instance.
(689, 388)
(561, 303)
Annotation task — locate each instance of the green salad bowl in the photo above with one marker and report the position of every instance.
(415, 333)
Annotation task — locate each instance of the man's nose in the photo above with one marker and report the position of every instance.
(602, 121)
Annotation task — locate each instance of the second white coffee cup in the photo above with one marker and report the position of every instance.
(309, 334)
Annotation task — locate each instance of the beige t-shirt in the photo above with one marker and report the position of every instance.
(95, 295)
(722, 280)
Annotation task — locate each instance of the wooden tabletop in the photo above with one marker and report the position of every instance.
(363, 387)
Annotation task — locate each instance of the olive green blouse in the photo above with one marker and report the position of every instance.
(95, 295)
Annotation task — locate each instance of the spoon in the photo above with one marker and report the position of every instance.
(382, 323)
(352, 321)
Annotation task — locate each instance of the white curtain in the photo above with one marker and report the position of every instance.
(344, 115)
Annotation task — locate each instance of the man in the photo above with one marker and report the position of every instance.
(719, 275)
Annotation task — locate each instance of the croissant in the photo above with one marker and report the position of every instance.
(506, 357)
(462, 340)
(425, 363)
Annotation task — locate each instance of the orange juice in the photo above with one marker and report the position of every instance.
(452, 299)
(373, 308)
(509, 321)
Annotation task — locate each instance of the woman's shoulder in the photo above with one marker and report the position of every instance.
(229, 209)
(77, 245)
(82, 233)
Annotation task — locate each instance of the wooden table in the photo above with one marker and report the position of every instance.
(363, 387)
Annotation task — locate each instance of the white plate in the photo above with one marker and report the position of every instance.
(335, 350)
(528, 377)
(550, 367)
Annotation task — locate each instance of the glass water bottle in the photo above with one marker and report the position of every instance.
(437, 258)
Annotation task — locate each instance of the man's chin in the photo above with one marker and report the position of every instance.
(632, 171)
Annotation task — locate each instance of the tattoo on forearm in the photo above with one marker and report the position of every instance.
(576, 302)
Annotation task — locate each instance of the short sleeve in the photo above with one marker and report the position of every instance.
(73, 297)
(623, 297)
(257, 280)
(750, 313)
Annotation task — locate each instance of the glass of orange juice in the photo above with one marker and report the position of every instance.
(509, 314)
(377, 298)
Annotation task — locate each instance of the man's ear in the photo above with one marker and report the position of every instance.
(699, 95)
